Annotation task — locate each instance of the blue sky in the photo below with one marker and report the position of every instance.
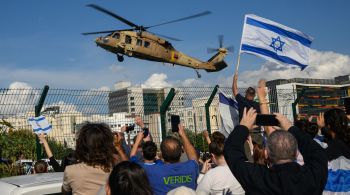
(41, 41)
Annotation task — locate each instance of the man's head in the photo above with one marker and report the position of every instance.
(149, 150)
(40, 167)
(171, 149)
(250, 93)
(281, 147)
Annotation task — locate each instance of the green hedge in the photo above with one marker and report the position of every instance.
(22, 141)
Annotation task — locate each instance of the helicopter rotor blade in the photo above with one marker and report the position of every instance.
(167, 37)
(211, 50)
(181, 19)
(113, 15)
(221, 40)
(106, 31)
(98, 32)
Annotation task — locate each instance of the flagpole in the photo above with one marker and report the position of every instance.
(240, 47)
(238, 61)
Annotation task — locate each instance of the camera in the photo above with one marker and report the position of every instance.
(206, 156)
(130, 128)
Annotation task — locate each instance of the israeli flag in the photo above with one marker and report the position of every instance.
(40, 124)
(275, 42)
(338, 181)
(229, 115)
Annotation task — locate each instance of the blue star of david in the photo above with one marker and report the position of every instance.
(277, 44)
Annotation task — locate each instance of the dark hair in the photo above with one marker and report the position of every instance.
(128, 178)
(250, 91)
(337, 122)
(69, 159)
(149, 150)
(40, 166)
(171, 149)
(281, 145)
(216, 148)
(95, 145)
(309, 127)
(259, 155)
(218, 137)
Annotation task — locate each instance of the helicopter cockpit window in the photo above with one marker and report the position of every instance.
(146, 44)
(116, 36)
(127, 39)
(139, 42)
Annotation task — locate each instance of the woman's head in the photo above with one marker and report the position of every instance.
(128, 178)
(218, 137)
(337, 122)
(95, 145)
(216, 147)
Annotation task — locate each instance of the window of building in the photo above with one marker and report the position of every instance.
(116, 36)
(132, 98)
(132, 104)
(132, 109)
(127, 39)
(139, 42)
(146, 44)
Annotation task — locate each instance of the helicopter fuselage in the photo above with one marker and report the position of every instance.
(144, 45)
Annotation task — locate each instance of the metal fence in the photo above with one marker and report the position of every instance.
(68, 109)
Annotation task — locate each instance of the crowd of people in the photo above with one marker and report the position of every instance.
(296, 157)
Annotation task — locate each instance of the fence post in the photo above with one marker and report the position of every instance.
(163, 108)
(207, 105)
(38, 107)
(294, 104)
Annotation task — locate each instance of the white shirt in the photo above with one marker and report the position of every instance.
(219, 180)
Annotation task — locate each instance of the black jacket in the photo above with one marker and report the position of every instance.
(284, 179)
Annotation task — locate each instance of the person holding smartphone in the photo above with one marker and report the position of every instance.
(210, 180)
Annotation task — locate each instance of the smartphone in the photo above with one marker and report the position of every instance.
(175, 121)
(145, 132)
(130, 128)
(266, 120)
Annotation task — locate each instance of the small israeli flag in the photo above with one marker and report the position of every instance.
(40, 124)
(229, 115)
(275, 42)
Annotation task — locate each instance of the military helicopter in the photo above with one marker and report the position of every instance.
(138, 42)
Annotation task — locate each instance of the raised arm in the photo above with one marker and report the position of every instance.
(46, 145)
(206, 137)
(136, 144)
(235, 155)
(264, 103)
(119, 148)
(56, 167)
(188, 147)
(235, 85)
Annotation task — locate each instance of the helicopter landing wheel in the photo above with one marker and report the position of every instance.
(198, 75)
(120, 58)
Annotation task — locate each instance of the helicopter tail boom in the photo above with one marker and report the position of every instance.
(217, 62)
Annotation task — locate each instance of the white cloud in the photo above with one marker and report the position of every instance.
(116, 68)
(156, 80)
(322, 65)
(19, 85)
(19, 98)
(64, 107)
(191, 82)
